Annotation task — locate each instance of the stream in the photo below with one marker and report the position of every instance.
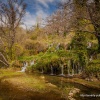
(8, 93)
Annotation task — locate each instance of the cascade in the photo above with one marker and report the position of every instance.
(68, 72)
(89, 45)
(24, 67)
(32, 63)
(62, 70)
(51, 70)
(91, 58)
(68, 68)
(73, 70)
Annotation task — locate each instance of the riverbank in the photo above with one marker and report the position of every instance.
(21, 85)
(90, 84)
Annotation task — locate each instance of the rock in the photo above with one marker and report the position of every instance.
(70, 98)
(74, 91)
(71, 94)
(77, 90)
(87, 79)
(52, 85)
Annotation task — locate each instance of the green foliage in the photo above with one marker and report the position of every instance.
(30, 69)
(25, 58)
(93, 69)
(96, 61)
(79, 41)
(17, 50)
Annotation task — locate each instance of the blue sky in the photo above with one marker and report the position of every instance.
(38, 10)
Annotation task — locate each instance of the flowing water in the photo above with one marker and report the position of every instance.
(62, 70)
(51, 95)
(24, 67)
(52, 71)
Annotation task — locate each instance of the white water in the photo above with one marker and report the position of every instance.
(51, 71)
(72, 72)
(32, 63)
(62, 70)
(24, 67)
(68, 72)
(91, 58)
(89, 45)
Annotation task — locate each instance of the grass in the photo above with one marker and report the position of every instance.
(24, 81)
(28, 83)
(37, 83)
(8, 73)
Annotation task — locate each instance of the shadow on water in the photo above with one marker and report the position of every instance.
(9, 92)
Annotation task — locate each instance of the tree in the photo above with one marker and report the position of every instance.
(83, 14)
(93, 9)
(11, 14)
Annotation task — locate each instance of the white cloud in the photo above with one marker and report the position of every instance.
(31, 19)
(45, 2)
(64, 0)
(28, 20)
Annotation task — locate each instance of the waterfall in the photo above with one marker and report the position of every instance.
(80, 70)
(72, 72)
(89, 45)
(68, 68)
(24, 67)
(62, 70)
(68, 72)
(51, 70)
(91, 58)
(32, 63)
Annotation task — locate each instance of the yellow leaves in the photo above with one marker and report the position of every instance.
(17, 49)
(90, 28)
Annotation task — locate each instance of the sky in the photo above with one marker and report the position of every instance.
(38, 10)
